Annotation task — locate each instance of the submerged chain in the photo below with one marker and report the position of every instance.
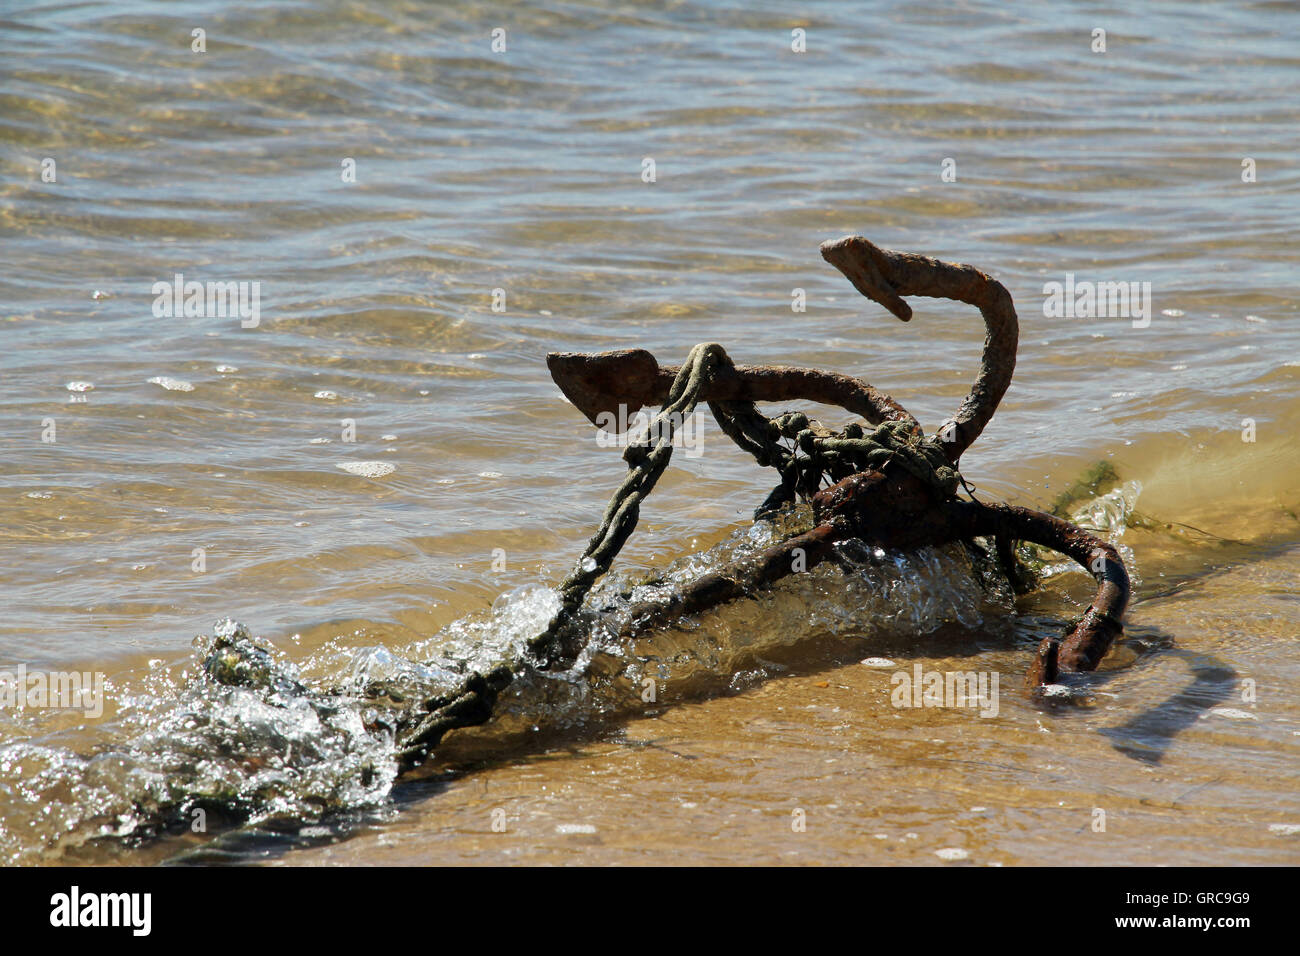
(472, 703)
(646, 461)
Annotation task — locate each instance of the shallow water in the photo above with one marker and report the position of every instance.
(521, 171)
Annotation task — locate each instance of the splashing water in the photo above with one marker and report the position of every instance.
(1109, 515)
(255, 736)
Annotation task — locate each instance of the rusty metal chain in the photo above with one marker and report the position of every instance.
(473, 701)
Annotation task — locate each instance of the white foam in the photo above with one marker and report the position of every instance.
(172, 384)
(1232, 713)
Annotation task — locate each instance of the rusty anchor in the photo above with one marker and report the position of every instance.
(890, 487)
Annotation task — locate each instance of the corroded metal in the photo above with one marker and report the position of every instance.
(890, 504)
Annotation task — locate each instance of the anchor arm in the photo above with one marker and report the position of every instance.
(602, 382)
(1088, 640)
(885, 276)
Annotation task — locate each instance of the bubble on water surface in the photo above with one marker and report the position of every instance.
(367, 469)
